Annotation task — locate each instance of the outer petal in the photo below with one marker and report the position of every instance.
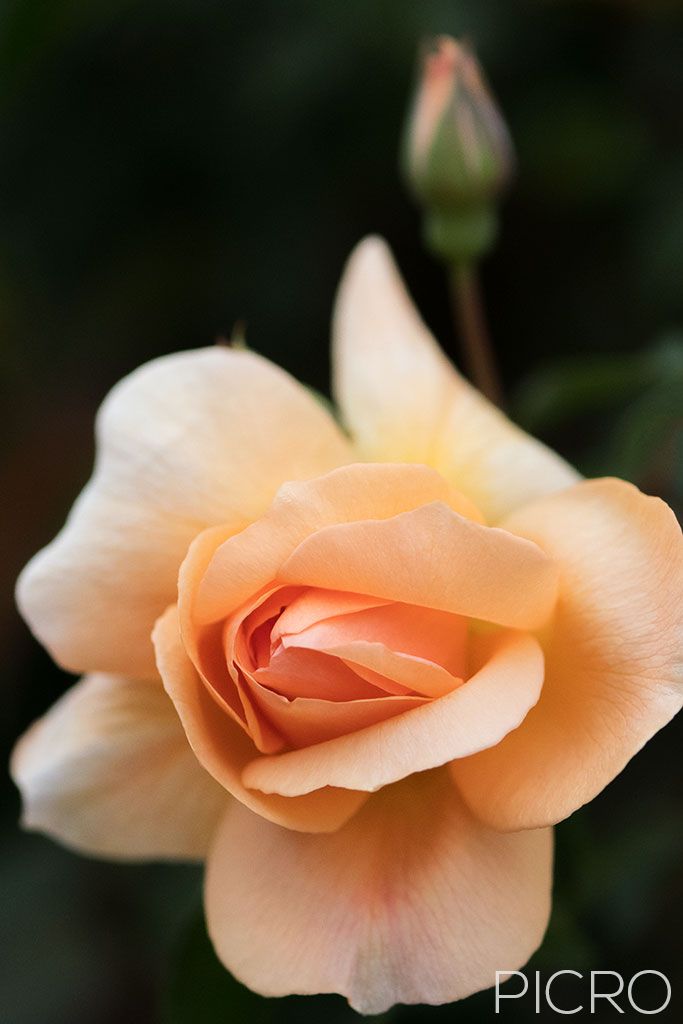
(404, 402)
(245, 563)
(432, 557)
(108, 770)
(614, 664)
(224, 749)
(413, 901)
(476, 715)
(184, 442)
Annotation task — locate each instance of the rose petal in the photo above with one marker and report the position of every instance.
(312, 605)
(324, 678)
(403, 628)
(413, 901)
(224, 748)
(184, 442)
(404, 402)
(614, 672)
(422, 649)
(476, 715)
(301, 673)
(108, 770)
(308, 720)
(249, 561)
(432, 556)
(376, 654)
(414, 673)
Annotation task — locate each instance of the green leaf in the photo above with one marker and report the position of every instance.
(646, 440)
(572, 388)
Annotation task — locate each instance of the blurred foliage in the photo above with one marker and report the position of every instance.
(171, 168)
(637, 399)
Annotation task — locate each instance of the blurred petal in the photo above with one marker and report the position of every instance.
(187, 441)
(614, 668)
(476, 715)
(412, 901)
(433, 557)
(404, 402)
(224, 748)
(108, 770)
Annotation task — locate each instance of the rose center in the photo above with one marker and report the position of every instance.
(304, 664)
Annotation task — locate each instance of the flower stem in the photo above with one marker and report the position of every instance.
(468, 312)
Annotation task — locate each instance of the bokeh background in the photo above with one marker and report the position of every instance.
(171, 167)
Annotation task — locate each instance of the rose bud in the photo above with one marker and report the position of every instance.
(458, 154)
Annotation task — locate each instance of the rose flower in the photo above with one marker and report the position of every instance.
(361, 675)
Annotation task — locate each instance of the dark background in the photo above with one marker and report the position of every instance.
(170, 167)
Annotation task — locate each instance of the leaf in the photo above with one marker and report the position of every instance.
(647, 436)
(571, 388)
(568, 389)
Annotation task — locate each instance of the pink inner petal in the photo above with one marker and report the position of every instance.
(305, 720)
(417, 675)
(300, 665)
(301, 673)
(435, 636)
(314, 604)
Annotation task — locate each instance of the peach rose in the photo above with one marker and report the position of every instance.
(393, 661)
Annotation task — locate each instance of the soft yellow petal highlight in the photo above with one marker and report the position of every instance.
(404, 402)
